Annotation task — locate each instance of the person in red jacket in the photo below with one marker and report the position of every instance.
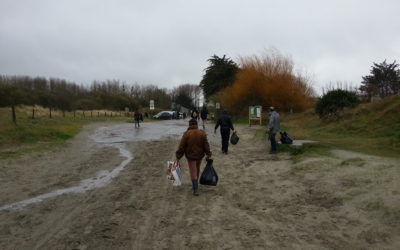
(194, 145)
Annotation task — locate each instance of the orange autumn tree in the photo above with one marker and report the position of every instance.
(267, 80)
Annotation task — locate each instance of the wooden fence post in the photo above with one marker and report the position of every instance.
(14, 117)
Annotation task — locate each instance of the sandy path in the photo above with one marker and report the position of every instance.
(347, 201)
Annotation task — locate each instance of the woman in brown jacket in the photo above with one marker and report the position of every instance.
(194, 145)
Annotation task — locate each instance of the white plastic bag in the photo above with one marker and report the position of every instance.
(174, 173)
(170, 165)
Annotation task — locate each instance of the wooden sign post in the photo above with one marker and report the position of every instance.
(255, 114)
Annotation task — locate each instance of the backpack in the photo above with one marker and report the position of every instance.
(286, 138)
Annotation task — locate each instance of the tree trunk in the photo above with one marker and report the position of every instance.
(33, 113)
(50, 113)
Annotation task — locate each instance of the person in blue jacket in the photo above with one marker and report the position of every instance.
(273, 128)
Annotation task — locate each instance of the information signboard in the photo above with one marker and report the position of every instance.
(255, 114)
(151, 104)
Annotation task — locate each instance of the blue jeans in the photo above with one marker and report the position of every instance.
(273, 143)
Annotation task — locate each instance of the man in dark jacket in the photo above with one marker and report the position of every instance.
(137, 117)
(203, 115)
(225, 122)
(194, 145)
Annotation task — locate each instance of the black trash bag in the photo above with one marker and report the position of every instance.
(234, 138)
(209, 176)
(286, 138)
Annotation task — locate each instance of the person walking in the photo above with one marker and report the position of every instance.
(273, 128)
(137, 117)
(194, 145)
(225, 122)
(194, 114)
(203, 115)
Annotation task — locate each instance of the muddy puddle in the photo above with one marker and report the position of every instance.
(112, 136)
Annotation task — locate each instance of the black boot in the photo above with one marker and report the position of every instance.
(195, 186)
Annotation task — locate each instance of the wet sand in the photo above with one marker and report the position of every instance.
(262, 201)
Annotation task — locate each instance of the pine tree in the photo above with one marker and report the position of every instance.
(219, 75)
(384, 80)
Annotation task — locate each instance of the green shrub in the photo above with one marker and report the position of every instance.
(333, 103)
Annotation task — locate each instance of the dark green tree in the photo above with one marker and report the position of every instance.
(218, 75)
(184, 100)
(384, 80)
(333, 103)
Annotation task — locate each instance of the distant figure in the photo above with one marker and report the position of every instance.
(225, 122)
(194, 114)
(184, 115)
(273, 128)
(203, 115)
(146, 115)
(137, 117)
(194, 145)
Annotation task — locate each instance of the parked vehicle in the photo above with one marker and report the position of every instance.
(164, 115)
(177, 115)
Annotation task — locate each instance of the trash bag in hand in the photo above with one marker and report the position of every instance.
(209, 176)
(234, 138)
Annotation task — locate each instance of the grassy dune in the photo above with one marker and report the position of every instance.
(43, 132)
(372, 128)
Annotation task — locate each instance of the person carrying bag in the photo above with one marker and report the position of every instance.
(225, 124)
(194, 145)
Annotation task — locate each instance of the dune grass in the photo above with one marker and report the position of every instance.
(372, 128)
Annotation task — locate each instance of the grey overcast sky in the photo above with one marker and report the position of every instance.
(168, 42)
